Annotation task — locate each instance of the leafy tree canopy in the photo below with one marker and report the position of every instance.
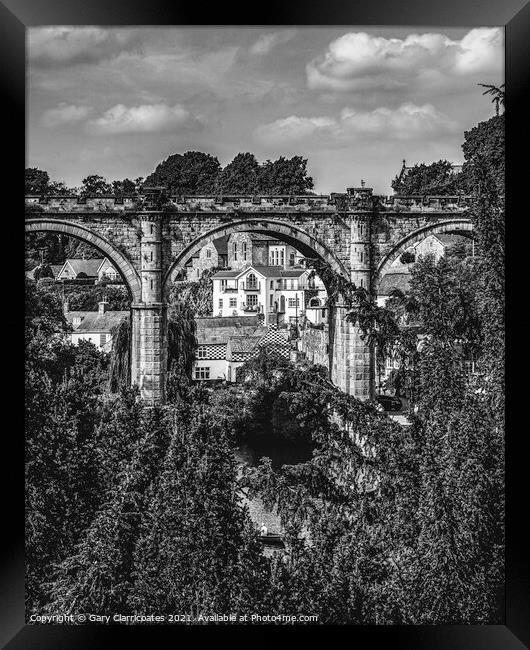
(436, 178)
(285, 176)
(95, 184)
(193, 172)
(241, 176)
(36, 181)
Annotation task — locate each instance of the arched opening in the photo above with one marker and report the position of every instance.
(96, 285)
(454, 226)
(122, 265)
(300, 240)
(271, 286)
(393, 276)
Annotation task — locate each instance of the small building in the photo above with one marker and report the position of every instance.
(225, 343)
(96, 269)
(212, 255)
(391, 282)
(213, 334)
(95, 326)
(49, 271)
(439, 245)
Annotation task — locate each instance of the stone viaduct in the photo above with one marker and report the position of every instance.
(356, 233)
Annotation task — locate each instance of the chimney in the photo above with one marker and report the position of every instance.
(102, 307)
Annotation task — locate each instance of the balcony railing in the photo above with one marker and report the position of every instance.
(229, 289)
(251, 287)
(253, 308)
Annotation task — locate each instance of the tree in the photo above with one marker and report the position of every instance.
(285, 176)
(36, 181)
(193, 172)
(407, 257)
(484, 153)
(124, 187)
(497, 95)
(95, 184)
(241, 176)
(198, 552)
(436, 178)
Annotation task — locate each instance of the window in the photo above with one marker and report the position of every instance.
(252, 282)
(291, 259)
(282, 257)
(271, 300)
(233, 302)
(292, 284)
(252, 300)
(208, 253)
(102, 339)
(202, 372)
(235, 252)
(202, 352)
(223, 285)
(272, 285)
(220, 303)
(244, 250)
(294, 302)
(151, 256)
(361, 256)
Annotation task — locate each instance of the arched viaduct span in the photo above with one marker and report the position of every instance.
(355, 234)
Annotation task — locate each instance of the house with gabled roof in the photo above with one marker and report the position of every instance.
(225, 343)
(93, 269)
(278, 295)
(97, 327)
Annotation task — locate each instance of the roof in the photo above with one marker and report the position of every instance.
(257, 236)
(221, 245)
(95, 322)
(88, 267)
(244, 344)
(392, 281)
(56, 268)
(449, 239)
(217, 330)
(265, 271)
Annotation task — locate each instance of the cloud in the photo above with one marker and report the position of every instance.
(50, 47)
(266, 42)
(294, 128)
(65, 114)
(359, 61)
(408, 121)
(147, 118)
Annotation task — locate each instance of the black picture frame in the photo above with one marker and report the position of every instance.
(15, 17)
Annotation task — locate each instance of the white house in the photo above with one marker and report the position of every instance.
(95, 326)
(277, 294)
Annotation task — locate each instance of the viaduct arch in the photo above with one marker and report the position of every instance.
(122, 264)
(458, 226)
(356, 234)
(286, 232)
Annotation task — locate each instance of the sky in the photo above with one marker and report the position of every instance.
(355, 101)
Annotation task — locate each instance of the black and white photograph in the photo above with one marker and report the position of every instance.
(264, 325)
